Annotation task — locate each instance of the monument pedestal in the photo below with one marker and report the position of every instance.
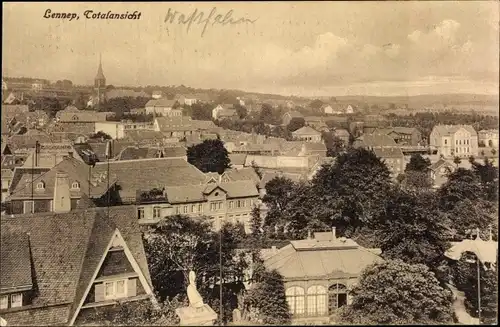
(190, 316)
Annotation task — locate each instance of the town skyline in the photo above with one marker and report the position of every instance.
(343, 50)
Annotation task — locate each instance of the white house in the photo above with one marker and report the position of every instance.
(223, 111)
(454, 140)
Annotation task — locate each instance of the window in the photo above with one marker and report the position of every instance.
(220, 205)
(445, 141)
(295, 299)
(467, 142)
(185, 209)
(213, 206)
(238, 204)
(156, 212)
(140, 213)
(115, 289)
(75, 185)
(193, 208)
(40, 186)
(4, 302)
(29, 207)
(16, 300)
(337, 297)
(200, 207)
(231, 204)
(178, 210)
(316, 301)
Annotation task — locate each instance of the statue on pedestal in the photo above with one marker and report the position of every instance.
(195, 299)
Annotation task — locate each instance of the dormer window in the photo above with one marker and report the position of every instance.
(75, 186)
(40, 186)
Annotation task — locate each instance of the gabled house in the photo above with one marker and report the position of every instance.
(408, 136)
(224, 111)
(56, 189)
(288, 116)
(454, 140)
(61, 269)
(307, 134)
(439, 172)
(164, 107)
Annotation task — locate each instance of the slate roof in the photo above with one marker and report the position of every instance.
(12, 161)
(294, 114)
(376, 140)
(141, 136)
(438, 164)
(267, 176)
(243, 174)
(146, 174)
(162, 102)
(77, 171)
(82, 116)
(16, 262)
(237, 158)
(306, 130)
(447, 130)
(315, 258)
(196, 193)
(28, 140)
(314, 147)
(383, 152)
(66, 249)
(178, 123)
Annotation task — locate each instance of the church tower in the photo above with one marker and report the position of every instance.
(100, 85)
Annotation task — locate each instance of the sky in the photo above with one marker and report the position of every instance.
(291, 48)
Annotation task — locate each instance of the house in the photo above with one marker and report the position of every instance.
(454, 140)
(135, 153)
(49, 155)
(57, 189)
(342, 134)
(316, 122)
(349, 109)
(243, 174)
(370, 141)
(288, 116)
(237, 160)
(223, 201)
(145, 174)
(317, 273)
(37, 86)
(488, 138)
(313, 149)
(327, 109)
(439, 172)
(25, 142)
(181, 126)
(224, 111)
(307, 134)
(164, 107)
(187, 99)
(393, 157)
(407, 136)
(80, 121)
(70, 268)
(157, 95)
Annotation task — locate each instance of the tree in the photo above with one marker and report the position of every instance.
(352, 190)
(334, 145)
(176, 246)
(266, 302)
(416, 179)
(278, 192)
(488, 175)
(316, 104)
(394, 292)
(266, 114)
(256, 169)
(457, 161)
(209, 156)
(100, 135)
(296, 123)
(241, 111)
(418, 163)
(461, 184)
(413, 229)
(256, 222)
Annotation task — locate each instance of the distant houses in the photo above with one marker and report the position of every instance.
(163, 107)
(307, 134)
(224, 111)
(454, 140)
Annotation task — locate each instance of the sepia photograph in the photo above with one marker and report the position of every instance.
(249, 163)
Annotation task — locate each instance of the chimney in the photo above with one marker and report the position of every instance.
(62, 200)
(334, 233)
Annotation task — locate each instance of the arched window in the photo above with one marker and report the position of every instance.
(75, 185)
(337, 297)
(316, 300)
(40, 185)
(295, 298)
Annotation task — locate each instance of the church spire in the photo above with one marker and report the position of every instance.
(100, 74)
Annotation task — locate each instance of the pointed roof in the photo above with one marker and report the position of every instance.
(100, 74)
